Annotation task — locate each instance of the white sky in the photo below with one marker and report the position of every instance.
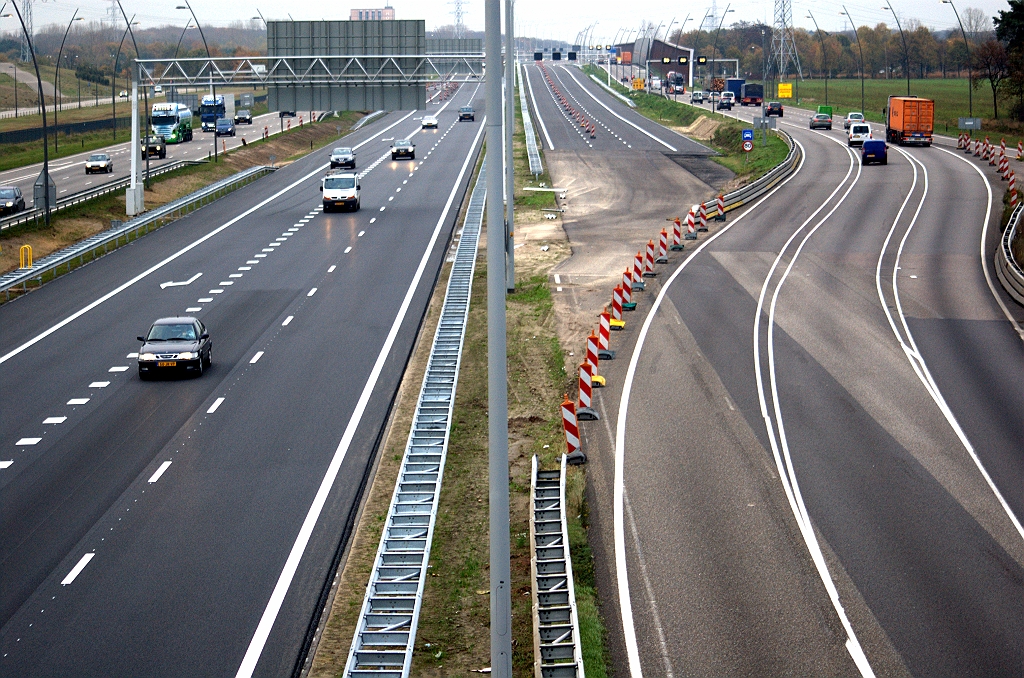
(542, 19)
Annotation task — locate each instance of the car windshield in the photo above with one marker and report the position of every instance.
(342, 151)
(339, 182)
(861, 129)
(98, 157)
(402, 143)
(821, 116)
(183, 332)
(223, 122)
(7, 193)
(466, 109)
(855, 116)
(243, 113)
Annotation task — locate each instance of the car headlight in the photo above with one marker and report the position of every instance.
(187, 355)
(147, 356)
(10, 204)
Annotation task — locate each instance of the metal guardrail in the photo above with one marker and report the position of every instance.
(386, 630)
(536, 167)
(1010, 274)
(767, 182)
(556, 629)
(168, 212)
(36, 213)
(367, 118)
(611, 91)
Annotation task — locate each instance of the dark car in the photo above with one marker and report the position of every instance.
(403, 148)
(243, 117)
(874, 150)
(175, 346)
(774, 108)
(11, 200)
(467, 113)
(821, 121)
(225, 127)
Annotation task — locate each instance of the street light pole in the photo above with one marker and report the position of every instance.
(56, 78)
(906, 53)
(696, 39)
(213, 88)
(970, 73)
(714, 49)
(145, 96)
(824, 54)
(188, 25)
(861, 50)
(510, 126)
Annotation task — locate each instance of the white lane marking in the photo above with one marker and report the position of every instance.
(405, 181)
(399, 189)
(361, 234)
(348, 249)
(536, 110)
(649, 589)
(618, 519)
(266, 624)
(216, 292)
(6, 464)
(382, 208)
(261, 256)
(226, 282)
(193, 309)
(311, 292)
(245, 268)
(287, 320)
(331, 269)
(78, 401)
(280, 240)
(99, 384)
(215, 405)
(205, 300)
(159, 472)
(77, 569)
(293, 230)
(28, 441)
(373, 220)
(118, 368)
(179, 284)
(390, 198)
(274, 244)
(252, 261)
(55, 420)
(132, 355)
(255, 358)
(558, 279)
(236, 275)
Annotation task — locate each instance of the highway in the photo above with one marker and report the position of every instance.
(188, 527)
(809, 460)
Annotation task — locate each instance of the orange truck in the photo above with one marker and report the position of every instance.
(909, 120)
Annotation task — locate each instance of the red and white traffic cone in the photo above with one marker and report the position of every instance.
(1004, 168)
(720, 208)
(649, 271)
(604, 337)
(616, 321)
(662, 248)
(1013, 189)
(703, 218)
(1020, 151)
(585, 412)
(572, 431)
(627, 286)
(638, 276)
(977, 148)
(993, 158)
(691, 230)
(1002, 146)
(677, 234)
(960, 141)
(592, 358)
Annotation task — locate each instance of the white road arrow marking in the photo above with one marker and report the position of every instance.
(179, 284)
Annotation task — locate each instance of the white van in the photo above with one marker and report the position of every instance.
(859, 133)
(340, 189)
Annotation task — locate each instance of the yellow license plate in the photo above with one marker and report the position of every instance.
(167, 363)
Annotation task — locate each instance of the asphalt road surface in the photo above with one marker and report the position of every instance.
(188, 526)
(819, 463)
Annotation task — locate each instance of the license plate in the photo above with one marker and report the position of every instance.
(167, 363)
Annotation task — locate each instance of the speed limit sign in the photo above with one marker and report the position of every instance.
(748, 146)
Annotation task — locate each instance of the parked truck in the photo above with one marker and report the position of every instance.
(909, 120)
(751, 94)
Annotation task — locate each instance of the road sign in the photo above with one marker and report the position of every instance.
(764, 123)
(969, 123)
(785, 90)
(748, 146)
(748, 135)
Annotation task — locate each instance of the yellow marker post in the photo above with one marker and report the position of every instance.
(26, 256)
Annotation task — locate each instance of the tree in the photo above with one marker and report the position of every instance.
(992, 62)
(1010, 26)
(977, 25)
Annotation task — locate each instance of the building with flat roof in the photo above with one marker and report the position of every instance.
(379, 14)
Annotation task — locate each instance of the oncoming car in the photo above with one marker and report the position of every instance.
(821, 121)
(243, 117)
(225, 127)
(175, 346)
(429, 121)
(343, 157)
(859, 133)
(99, 162)
(11, 200)
(403, 148)
(340, 190)
(467, 113)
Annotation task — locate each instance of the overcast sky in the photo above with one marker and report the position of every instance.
(537, 18)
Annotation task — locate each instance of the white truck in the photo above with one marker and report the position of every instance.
(340, 189)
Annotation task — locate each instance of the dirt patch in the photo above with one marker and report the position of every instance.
(703, 128)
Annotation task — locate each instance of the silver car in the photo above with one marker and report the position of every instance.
(99, 162)
(343, 157)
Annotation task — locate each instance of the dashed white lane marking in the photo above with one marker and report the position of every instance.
(216, 292)
(331, 269)
(405, 181)
(293, 230)
(118, 368)
(252, 261)
(255, 358)
(77, 569)
(159, 472)
(348, 249)
(28, 441)
(261, 256)
(245, 268)
(132, 355)
(78, 401)
(558, 289)
(311, 292)
(390, 198)
(99, 384)
(55, 420)
(373, 220)
(5, 464)
(399, 189)
(236, 275)
(287, 320)
(280, 240)
(215, 405)
(382, 208)
(205, 300)
(274, 244)
(265, 249)
(226, 282)
(362, 233)
(193, 309)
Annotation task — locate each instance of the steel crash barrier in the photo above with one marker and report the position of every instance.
(1009, 271)
(536, 166)
(69, 257)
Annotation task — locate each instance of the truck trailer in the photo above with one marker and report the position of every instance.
(909, 120)
(751, 94)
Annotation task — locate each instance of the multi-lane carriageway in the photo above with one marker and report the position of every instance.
(187, 527)
(812, 455)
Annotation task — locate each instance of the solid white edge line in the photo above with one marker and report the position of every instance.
(628, 122)
(266, 623)
(215, 405)
(536, 109)
(256, 357)
(159, 472)
(621, 574)
(156, 267)
(77, 569)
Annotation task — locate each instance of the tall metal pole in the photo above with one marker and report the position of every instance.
(824, 55)
(970, 73)
(696, 38)
(715, 48)
(56, 79)
(113, 84)
(213, 89)
(906, 52)
(497, 368)
(510, 126)
(145, 96)
(859, 49)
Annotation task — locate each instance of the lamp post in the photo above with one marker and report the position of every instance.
(260, 17)
(714, 49)
(970, 74)
(188, 25)
(113, 82)
(510, 125)
(859, 49)
(57, 77)
(824, 54)
(45, 176)
(213, 88)
(906, 53)
(145, 96)
(696, 38)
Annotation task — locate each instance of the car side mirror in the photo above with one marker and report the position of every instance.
(359, 187)
(142, 339)
(204, 335)
(321, 188)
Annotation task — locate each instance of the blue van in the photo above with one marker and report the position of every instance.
(874, 150)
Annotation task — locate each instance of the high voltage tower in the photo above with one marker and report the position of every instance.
(460, 27)
(26, 16)
(783, 44)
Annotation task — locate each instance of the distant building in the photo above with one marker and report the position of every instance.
(381, 14)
